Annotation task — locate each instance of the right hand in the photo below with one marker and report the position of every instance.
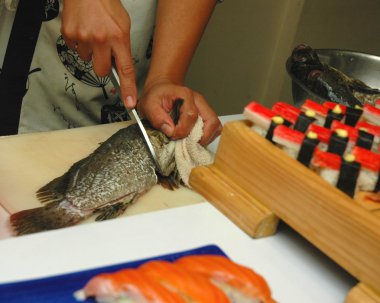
(99, 30)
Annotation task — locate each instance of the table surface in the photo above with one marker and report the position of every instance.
(295, 270)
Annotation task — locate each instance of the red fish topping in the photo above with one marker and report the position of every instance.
(351, 131)
(318, 108)
(371, 128)
(288, 134)
(323, 133)
(327, 160)
(258, 114)
(366, 158)
(332, 105)
(287, 111)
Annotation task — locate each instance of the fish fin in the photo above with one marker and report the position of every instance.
(51, 216)
(171, 182)
(112, 211)
(55, 190)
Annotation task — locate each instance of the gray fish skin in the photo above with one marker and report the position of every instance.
(120, 169)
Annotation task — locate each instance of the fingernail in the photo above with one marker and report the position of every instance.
(129, 102)
(167, 129)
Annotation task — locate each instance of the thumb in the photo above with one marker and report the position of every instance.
(159, 118)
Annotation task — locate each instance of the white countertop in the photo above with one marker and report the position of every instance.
(295, 270)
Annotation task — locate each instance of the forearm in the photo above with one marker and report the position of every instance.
(179, 28)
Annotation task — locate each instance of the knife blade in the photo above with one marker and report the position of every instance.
(134, 116)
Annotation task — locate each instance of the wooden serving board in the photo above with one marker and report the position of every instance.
(276, 184)
(29, 161)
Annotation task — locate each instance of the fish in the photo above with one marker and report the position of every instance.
(105, 183)
(329, 82)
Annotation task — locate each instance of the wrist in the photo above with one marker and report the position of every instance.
(159, 80)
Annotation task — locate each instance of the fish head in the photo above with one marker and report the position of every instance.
(164, 149)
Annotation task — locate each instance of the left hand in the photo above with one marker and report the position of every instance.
(157, 101)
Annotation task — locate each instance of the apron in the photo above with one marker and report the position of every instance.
(62, 90)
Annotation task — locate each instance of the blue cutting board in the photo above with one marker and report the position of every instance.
(60, 289)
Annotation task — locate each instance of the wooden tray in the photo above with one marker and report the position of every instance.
(254, 183)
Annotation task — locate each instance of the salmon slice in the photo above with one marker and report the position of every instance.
(240, 283)
(192, 287)
(126, 284)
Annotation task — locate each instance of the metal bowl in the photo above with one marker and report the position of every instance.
(364, 67)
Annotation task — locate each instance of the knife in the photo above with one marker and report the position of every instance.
(134, 116)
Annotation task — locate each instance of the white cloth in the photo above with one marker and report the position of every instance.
(63, 91)
(190, 154)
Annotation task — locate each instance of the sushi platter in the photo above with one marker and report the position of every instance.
(255, 184)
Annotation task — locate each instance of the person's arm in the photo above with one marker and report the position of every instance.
(99, 30)
(179, 27)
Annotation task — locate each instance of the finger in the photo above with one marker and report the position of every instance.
(187, 117)
(157, 116)
(212, 129)
(126, 73)
(84, 51)
(212, 126)
(71, 43)
(101, 60)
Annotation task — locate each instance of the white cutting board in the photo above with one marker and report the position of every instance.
(29, 161)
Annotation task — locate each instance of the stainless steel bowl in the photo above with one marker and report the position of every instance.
(364, 67)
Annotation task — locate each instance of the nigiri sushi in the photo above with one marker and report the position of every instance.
(327, 165)
(190, 286)
(323, 133)
(320, 110)
(260, 116)
(287, 111)
(334, 114)
(369, 177)
(127, 285)
(289, 140)
(341, 172)
(338, 141)
(240, 283)
(371, 114)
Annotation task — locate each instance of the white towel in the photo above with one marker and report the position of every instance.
(190, 154)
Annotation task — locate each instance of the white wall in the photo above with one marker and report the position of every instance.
(243, 52)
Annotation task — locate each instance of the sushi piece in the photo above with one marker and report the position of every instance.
(128, 285)
(365, 139)
(335, 114)
(289, 140)
(276, 121)
(240, 283)
(304, 120)
(260, 116)
(320, 110)
(287, 111)
(369, 178)
(323, 133)
(338, 141)
(353, 115)
(190, 286)
(371, 114)
(332, 105)
(308, 147)
(327, 165)
(352, 133)
(348, 175)
(372, 129)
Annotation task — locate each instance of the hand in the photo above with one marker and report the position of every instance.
(99, 30)
(157, 101)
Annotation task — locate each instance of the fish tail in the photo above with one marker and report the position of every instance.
(51, 216)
